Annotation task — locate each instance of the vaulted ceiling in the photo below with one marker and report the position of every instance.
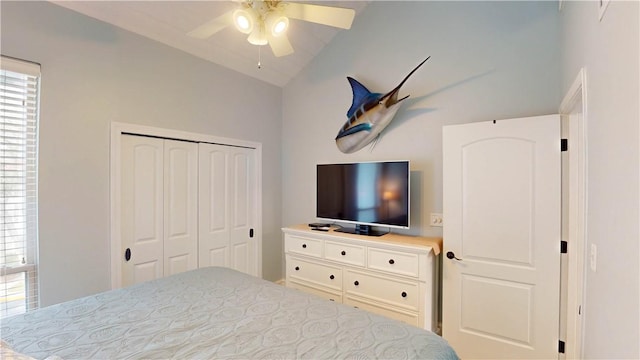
(169, 22)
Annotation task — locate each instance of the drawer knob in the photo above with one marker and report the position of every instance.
(356, 283)
(343, 253)
(304, 246)
(391, 261)
(332, 277)
(404, 294)
(297, 268)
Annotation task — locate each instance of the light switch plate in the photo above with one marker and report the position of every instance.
(436, 219)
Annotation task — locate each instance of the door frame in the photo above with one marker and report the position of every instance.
(117, 129)
(576, 222)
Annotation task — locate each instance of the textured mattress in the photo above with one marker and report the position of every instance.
(214, 313)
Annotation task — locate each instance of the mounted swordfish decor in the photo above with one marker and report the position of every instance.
(370, 113)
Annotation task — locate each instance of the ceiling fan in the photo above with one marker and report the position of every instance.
(266, 21)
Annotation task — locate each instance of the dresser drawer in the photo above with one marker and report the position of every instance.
(344, 253)
(401, 263)
(318, 291)
(320, 274)
(404, 294)
(408, 317)
(304, 246)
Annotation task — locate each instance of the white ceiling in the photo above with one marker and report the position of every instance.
(168, 22)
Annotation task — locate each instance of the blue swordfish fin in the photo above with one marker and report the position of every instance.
(353, 130)
(360, 95)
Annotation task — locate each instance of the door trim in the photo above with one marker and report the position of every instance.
(117, 129)
(577, 232)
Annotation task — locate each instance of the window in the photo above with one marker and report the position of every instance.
(19, 99)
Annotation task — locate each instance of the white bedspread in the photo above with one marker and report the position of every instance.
(214, 313)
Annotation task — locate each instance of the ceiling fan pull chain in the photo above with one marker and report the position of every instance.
(259, 57)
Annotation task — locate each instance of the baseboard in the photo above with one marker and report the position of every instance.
(280, 282)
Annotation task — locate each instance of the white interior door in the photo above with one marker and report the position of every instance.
(213, 215)
(159, 207)
(242, 180)
(227, 183)
(502, 212)
(180, 206)
(141, 209)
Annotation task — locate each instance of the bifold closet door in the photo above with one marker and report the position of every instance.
(227, 186)
(142, 208)
(180, 206)
(158, 207)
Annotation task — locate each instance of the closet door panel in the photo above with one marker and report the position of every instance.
(242, 257)
(227, 183)
(242, 180)
(240, 183)
(213, 206)
(215, 256)
(180, 206)
(142, 208)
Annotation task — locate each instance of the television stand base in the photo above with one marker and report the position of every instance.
(362, 230)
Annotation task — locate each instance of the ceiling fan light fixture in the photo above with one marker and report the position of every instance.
(276, 23)
(267, 21)
(257, 36)
(244, 20)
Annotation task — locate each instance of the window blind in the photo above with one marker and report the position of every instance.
(19, 102)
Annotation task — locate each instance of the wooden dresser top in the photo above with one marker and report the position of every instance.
(435, 243)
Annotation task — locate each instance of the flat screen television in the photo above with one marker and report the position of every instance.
(366, 194)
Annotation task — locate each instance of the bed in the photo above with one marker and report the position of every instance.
(214, 313)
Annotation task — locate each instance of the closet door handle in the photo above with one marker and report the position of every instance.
(127, 254)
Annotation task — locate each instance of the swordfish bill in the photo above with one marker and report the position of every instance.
(369, 115)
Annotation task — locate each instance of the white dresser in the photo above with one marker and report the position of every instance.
(392, 275)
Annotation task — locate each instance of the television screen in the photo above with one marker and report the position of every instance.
(367, 193)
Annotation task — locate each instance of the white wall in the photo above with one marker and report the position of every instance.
(608, 49)
(93, 74)
(489, 60)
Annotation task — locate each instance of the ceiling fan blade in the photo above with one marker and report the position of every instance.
(280, 45)
(325, 15)
(211, 27)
